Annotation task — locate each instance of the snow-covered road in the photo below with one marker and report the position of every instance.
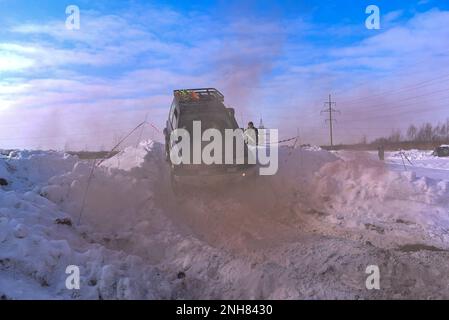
(422, 163)
(308, 232)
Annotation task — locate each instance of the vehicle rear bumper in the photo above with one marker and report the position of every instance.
(214, 177)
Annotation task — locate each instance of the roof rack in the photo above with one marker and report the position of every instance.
(195, 95)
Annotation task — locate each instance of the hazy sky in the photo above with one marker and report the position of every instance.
(272, 59)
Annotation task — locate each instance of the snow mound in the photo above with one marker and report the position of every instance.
(312, 148)
(26, 169)
(36, 250)
(414, 154)
(118, 192)
(130, 157)
(362, 179)
(297, 166)
(364, 194)
(40, 236)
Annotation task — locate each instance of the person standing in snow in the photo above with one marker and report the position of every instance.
(252, 139)
(381, 152)
(252, 132)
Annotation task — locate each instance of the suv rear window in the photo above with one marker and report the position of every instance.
(209, 120)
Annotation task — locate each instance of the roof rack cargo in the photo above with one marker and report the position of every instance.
(193, 95)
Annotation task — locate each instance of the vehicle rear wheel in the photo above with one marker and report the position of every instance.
(167, 155)
(174, 184)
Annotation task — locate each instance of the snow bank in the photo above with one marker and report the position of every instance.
(130, 157)
(26, 169)
(297, 166)
(120, 190)
(40, 237)
(365, 194)
(311, 148)
(36, 250)
(414, 154)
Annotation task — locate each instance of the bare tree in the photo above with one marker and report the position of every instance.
(411, 133)
(447, 129)
(436, 132)
(442, 132)
(428, 132)
(395, 136)
(425, 133)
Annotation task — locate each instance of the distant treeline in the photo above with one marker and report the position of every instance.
(90, 155)
(424, 137)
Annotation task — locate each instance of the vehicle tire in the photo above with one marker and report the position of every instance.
(174, 184)
(167, 155)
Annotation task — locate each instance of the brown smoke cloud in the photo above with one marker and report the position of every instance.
(248, 53)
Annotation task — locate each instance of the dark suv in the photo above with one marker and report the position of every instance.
(442, 151)
(205, 105)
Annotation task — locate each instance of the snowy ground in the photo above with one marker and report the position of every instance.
(423, 163)
(308, 232)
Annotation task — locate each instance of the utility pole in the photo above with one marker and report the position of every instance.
(330, 104)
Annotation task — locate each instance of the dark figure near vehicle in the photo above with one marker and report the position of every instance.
(256, 131)
(381, 152)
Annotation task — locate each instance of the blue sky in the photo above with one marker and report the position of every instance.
(272, 59)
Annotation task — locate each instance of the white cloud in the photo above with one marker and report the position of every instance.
(422, 2)
(392, 16)
(13, 62)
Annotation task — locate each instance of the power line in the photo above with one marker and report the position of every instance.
(396, 91)
(330, 110)
(442, 54)
(401, 112)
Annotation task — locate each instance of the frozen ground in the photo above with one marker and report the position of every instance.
(308, 232)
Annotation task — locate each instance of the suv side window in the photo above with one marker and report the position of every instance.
(174, 118)
(172, 110)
